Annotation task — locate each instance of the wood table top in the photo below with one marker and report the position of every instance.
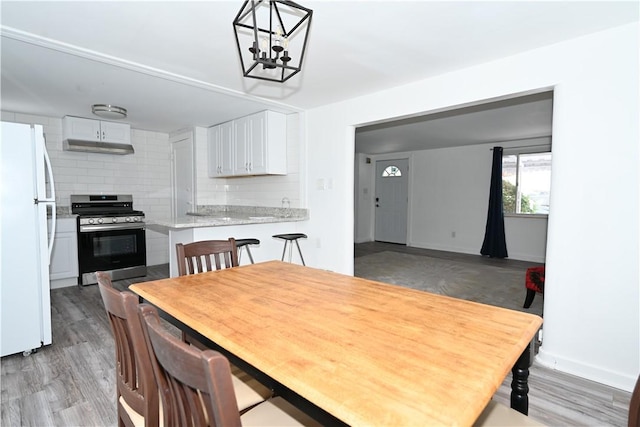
(366, 352)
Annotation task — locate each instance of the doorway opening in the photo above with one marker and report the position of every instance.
(448, 184)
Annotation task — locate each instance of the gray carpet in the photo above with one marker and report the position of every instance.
(500, 286)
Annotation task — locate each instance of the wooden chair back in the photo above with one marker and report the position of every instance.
(196, 386)
(634, 406)
(206, 255)
(135, 383)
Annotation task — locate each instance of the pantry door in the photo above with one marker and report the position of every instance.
(183, 174)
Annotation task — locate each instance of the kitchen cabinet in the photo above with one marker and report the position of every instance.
(221, 145)
(63, 269)
(95, 130)
(251, 145)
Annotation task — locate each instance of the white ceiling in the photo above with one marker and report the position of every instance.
(518, 118)
(175, 64)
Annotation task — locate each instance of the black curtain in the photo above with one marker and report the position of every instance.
(495, 244)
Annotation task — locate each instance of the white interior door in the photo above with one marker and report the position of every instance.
(183, 175)
(391, 200)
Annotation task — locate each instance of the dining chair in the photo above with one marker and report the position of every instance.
(197, 387)
(136, 390)
(206, 255)
(202, 256)
(209, 255)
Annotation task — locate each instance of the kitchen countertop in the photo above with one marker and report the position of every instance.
(209, 216)
(63, 212)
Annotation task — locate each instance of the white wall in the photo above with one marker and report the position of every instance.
(253, 190)
(449, 192)
(592, 290)
(145, 174)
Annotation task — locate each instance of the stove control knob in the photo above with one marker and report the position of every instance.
(100, 221)
(128, 219)
(90, 220)
(136, 219)
(114, 220)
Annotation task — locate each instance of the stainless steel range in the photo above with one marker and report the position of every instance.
(111, 237)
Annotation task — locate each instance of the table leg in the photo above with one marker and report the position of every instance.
(520, 384)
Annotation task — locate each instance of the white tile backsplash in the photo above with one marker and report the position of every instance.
(144, 174)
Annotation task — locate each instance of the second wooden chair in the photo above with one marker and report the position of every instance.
(196, 386)
(137, 392)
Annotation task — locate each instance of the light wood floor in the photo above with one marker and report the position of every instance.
(72, 382)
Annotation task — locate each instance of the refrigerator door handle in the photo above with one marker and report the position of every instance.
(53, 231)
(49, 169)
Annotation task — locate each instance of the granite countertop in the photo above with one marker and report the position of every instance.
(63, 212)
(219, 216)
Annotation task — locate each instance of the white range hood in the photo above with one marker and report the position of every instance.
(97, 147)
(96, 136)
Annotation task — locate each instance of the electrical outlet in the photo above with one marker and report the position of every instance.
(453, 234)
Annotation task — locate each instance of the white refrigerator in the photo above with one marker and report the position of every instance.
(27, 197)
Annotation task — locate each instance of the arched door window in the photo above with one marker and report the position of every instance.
(391, 171)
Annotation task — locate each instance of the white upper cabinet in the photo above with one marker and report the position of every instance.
(221, 150)
(242, 160)
(95, 130)
(251, 145)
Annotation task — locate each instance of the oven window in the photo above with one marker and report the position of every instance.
(114, 245)
(110, 250)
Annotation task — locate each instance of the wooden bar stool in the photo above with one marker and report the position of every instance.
(241, 243)
(288, 238)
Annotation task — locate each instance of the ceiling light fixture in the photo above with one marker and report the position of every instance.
(271, 36)
(107, 111)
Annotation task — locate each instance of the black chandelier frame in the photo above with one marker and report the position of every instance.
(275, 56)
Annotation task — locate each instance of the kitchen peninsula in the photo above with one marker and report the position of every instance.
(240, 222)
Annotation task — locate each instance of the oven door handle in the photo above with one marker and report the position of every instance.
(110, 227)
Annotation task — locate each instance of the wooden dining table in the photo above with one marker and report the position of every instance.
(355, 351)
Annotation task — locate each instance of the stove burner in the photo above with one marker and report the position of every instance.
(104, 206)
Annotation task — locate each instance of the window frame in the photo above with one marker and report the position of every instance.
(517, 153)
(394, 175)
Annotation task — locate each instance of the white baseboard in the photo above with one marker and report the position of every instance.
(589, 372)
(466, 250)
(63, 283)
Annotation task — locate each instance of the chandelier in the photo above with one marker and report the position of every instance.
(271, 36)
